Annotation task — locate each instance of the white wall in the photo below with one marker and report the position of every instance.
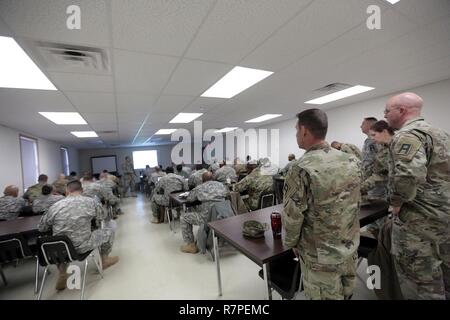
(10, 160)
(86, 154)
(344, 122)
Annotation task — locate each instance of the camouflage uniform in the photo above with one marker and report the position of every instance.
(369, 152)
(255, 184)
(128, 178)
(240, 168)
(42, 203)
(379, 173)
(60, 186)
(420, 185)
(214, 167)
(351, 149)
(224, 173)
(320, 216)
(165, 186)
(10, 207)
(33, 192)
(207, 193)
(196, 178)
(155, 175)
(285, 170)
(72, 217)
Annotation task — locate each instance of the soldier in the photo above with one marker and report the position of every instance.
(72, 176)
(196, 177)
(226, 174)
(255, 184)
(10, 205)
(59, 185)
(239, 167)
(369, 152)
(291, 159)
(182, 171)
(107, 187)
(128, 177)
(157, 174)
(46, 200)
(321, 207)
(165, 186)
(208, 192)
(347, 148)
(35, 190)
(420, 196)
(72, 217)
(382, 134)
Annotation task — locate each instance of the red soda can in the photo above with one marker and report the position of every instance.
(275, 219)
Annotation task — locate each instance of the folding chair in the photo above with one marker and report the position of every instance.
(14, 248)
(57, 250)
(266, 200)
(285, 276)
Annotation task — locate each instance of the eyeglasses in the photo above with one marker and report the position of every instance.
(386, 111)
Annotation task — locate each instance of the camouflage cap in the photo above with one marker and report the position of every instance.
(254, 229)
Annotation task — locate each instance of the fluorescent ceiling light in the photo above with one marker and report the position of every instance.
(236, 81)
(392, 1)
(18, 70)
(185, 117)
(166, 131)
(64, 117)
(84, 134)
(264, 118)
(340, 95)
(226, 130)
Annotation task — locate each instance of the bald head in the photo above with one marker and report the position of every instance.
(337, 145)
(12, 191)
(403, 107)
(291, 157)
(207, 176)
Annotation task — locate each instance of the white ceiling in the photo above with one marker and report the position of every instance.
(164, 54)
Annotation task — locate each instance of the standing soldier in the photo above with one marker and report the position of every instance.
(321, 208)
(369, 152)
(128, 177)
(420, 196)
(208, 192)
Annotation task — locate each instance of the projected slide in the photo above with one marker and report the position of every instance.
(99, 164)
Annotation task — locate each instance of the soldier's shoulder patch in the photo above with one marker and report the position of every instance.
(406, 147)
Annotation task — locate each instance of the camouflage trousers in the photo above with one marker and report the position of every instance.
(329, 282)
(128, 183)
(102, 239)
(422, 260)
(187, 220)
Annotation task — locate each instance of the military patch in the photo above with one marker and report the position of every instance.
(406, 147)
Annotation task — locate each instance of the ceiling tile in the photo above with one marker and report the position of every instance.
(140, 72)
(47, 20)
(81, 82)
(162, 27)
(134, 102)
(92, 101)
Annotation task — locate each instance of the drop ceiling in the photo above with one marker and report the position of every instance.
(163, 55)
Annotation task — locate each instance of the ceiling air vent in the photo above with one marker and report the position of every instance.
(74, 58)
(333, 87)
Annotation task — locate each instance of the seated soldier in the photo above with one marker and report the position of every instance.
(72, 217)
(107, 187)
(208, 192)
(165, 186)
(10, 205)
(42, 203)
(258, 182)
(59, 186)
(182, 171)
(291, 159)
(226, 174)
(35, 190)
(157, 174)
(196, 177)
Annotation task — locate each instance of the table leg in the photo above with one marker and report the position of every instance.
(216, 257)
(266, 278)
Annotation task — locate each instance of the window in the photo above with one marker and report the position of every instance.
(145, 157)
(29, 158)
(65, 160)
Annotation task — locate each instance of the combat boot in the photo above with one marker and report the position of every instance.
(62, 281)
(109, 261)
(189, 248)
(155, 220)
